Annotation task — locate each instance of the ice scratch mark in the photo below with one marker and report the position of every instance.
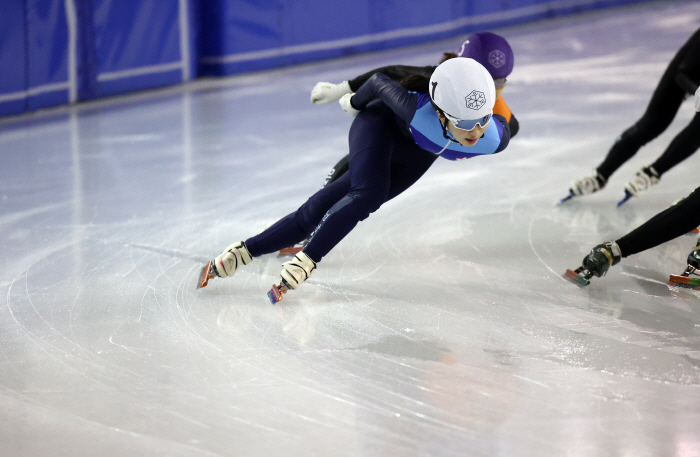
(532, 381)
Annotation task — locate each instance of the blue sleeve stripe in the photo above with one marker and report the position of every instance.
(425, 143)
(454, 155)
(423, 100)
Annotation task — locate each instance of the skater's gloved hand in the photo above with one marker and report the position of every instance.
(697, 100)
(347, 107)
(233, 256)
(298, 270)
(323, 93)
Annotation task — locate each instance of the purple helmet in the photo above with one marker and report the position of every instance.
(490, 50)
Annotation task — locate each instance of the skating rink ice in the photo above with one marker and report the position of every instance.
(440, 327)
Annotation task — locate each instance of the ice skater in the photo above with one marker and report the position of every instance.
(490, 50)
(398, 132)
(680, 80)
(677, 220)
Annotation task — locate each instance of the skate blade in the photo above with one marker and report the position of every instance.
(291, 250)
(684, 281)
(565, 199)
(627, 197)
(577, 278)
(275, 294)
(206, 275)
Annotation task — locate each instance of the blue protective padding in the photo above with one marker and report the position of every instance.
(127, 45)
(47, 99)
(87, 54)
(194, 35)
(12, 58)
(134, 33)
(131, 35)
(389, 15)
(232, 27)
(271, 32)
(312, 21)
(139, 82)
(47, 51)
(241, 36)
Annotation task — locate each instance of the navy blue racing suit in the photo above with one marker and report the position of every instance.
(394, 139)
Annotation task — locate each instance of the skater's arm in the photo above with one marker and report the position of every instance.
(514, 125)
(505, 135)
(394, 95)
(395, 72)
(502, 108)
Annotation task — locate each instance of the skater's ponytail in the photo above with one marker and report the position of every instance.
(447, 56)
(421, 83)
(416, 83)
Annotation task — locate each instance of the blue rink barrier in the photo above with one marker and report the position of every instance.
(55, 52)
(240, 36)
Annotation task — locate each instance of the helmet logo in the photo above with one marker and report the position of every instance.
(497, 58)
(461, 50)
(475, 100)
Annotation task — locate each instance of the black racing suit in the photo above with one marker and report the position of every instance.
(670, 223)
(680, 79)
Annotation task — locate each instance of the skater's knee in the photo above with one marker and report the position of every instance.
(646, 129)
(367, 202)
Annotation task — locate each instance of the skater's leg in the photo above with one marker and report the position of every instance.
(659, 114)
(372, 139)
(409, 167)
(370, 188)
(671, 223)
(371, 147)
(682, 147)
(338, 170)
(298, 225)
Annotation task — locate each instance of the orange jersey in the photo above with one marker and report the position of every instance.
(501, 108)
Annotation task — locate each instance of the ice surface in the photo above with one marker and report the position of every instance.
(440, 327)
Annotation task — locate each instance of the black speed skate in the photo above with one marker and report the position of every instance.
(684, 280)
(597, 263)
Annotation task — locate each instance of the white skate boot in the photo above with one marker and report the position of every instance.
(297, 270)
(588, 184)
(585, 186)
(294, 273)
(642, 181)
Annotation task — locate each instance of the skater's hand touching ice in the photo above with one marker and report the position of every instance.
(323, 92)
(347, 106)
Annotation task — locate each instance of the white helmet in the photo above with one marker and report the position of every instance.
(464, 91)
